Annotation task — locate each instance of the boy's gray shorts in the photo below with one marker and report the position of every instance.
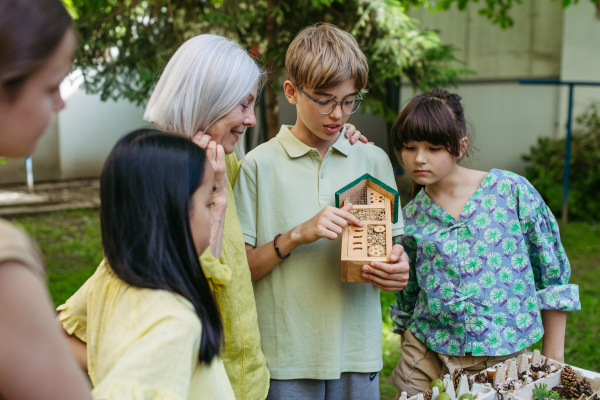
(350, 386)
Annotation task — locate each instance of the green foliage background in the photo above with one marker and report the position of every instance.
(124, 44)
(546, 168)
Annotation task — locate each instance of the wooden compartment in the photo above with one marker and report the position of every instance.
(376, 204)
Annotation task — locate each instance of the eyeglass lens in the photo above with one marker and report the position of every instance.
(326, 106)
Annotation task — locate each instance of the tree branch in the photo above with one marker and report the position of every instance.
(174, 23)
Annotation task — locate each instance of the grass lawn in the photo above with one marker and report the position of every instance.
(71, 242)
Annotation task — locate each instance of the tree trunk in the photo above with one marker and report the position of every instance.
(272, 95)
(272, 110)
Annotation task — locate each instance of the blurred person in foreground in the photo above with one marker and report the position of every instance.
(37, 42)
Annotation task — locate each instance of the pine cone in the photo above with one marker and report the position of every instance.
(456, 377)
(568, 377)
(563, 391)
(586, 389)
(427, 395)
(579, 389)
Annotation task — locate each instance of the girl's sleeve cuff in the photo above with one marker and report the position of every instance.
(71, 324)
(401, 319)
(559, 297)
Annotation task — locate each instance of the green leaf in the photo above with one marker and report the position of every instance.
(70, 8)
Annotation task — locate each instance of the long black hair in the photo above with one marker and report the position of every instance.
(145, 190)
(30, 31)
(436, 117)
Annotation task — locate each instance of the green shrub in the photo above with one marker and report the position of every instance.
(546, 168)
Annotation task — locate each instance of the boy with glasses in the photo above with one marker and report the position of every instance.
(321, 336)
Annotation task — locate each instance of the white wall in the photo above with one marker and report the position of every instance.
(530, 48)
(581, 57)
(89, 128)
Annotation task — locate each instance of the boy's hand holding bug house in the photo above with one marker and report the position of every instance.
(327, 224)
(368, 246)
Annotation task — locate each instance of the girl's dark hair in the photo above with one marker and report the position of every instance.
(145, 189)
(30, 31)
(436, 117)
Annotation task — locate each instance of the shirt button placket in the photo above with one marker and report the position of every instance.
(323, 189)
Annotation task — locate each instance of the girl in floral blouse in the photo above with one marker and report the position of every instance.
(489, 275)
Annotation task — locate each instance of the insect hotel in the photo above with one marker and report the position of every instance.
(376, 204)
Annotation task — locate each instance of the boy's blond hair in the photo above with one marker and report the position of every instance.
(323, 56)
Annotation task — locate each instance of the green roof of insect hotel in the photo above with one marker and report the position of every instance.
(381, 188)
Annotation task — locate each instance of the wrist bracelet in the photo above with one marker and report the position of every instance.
(277, 248)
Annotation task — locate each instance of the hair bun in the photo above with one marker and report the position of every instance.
(443, 94)
(434, 116)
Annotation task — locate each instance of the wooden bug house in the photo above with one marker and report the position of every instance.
(376, 205)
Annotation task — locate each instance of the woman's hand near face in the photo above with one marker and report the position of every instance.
(215, 154)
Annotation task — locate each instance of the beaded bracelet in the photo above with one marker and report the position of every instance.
(277, 248)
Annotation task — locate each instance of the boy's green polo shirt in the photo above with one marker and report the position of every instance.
(312, 325)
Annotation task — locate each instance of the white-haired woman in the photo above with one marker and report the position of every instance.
(207, 93)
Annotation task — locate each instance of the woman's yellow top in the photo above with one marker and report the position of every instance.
(230, 279)
(143, 343)
(231, 282)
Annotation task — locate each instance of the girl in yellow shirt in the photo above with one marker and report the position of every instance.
(153, 327)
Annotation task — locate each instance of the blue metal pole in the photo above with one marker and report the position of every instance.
(556, 82)
(565, 207)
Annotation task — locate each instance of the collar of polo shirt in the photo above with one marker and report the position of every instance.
(295, 148)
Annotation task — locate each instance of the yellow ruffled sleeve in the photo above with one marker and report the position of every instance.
(73, 314)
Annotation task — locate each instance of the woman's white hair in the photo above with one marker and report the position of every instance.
(205, 79)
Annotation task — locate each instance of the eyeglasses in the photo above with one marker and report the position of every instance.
(326, 106)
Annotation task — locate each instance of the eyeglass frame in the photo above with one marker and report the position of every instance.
(360, 100)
